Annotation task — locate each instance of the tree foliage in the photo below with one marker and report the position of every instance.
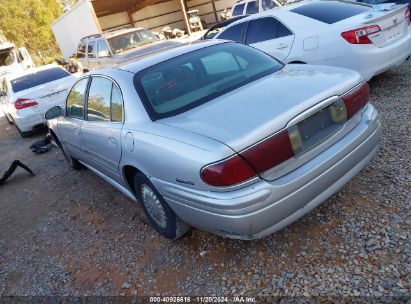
(28, 22)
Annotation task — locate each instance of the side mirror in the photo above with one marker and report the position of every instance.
(54, 112)
(3, 94)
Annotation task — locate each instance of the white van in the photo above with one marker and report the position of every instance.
(13, 60)
(248, 7)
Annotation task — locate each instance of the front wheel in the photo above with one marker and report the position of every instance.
(161, 216)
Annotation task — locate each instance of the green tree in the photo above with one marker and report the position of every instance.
(28, 23)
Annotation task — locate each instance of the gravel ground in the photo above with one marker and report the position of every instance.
(65, 232)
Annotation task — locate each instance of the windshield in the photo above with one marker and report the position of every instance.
(131, 40)
(185, 82)
(38, 78)
(7, 58)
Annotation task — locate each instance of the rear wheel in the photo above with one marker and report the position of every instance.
(161, 216)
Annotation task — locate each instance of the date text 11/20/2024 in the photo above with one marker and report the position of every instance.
(199, 299)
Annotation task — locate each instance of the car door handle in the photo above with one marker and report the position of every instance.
(282, 46)
(113, 142)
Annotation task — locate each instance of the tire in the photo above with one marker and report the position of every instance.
(161, 216)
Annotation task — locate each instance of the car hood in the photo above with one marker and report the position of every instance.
(251, 113)
(143, 50)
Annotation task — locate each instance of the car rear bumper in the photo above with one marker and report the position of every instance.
(265, 207)
(371, 61)
(30, 122)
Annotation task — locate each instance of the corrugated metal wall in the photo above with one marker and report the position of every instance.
(155, 17)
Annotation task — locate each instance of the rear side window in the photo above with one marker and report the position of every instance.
(252, 7)
(38, 78)
(268, 4)
(283, 31)
(330, 11)
(233, 33)
(98, 105)
(261, 30)
(238, 10)
(104, 101)
(76, 99)
(103, 49)
(81, 51)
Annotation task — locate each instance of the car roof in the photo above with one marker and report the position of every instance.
(298, 23)
(135, 65)
(111, 33)
(13, 76)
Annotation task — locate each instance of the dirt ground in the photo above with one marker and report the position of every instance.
(66, 232)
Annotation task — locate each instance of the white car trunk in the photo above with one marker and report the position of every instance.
(47, 95)
(392, 24)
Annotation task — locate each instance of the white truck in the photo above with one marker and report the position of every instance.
(80, 21)
(12, 59)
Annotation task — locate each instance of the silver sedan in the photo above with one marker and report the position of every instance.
(219, 136)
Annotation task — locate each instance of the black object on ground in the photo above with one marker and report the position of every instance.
(13, 168)
(42, 146)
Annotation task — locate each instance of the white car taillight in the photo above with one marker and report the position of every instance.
(360, 35)
(23, 103)
(408, 16)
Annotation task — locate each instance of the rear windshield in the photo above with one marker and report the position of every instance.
(185, 82)
(331, 11)
(38, 78)
(131, 40)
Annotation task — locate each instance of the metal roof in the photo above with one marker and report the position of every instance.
(109, 7)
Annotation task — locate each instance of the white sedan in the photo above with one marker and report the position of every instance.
(368, 39)
(26, 97)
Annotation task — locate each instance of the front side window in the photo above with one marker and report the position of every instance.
(238, 10)
(233, 33)
(76, 99)
(131, 40)
(102, 49)
(91, 49)
(252, 7)
(104, 101)
(261, 30)
(185, 82)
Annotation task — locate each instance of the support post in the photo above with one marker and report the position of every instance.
(214, 10)
(183, 11)
(130, 18)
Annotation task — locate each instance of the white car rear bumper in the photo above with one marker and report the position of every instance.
(369, 60)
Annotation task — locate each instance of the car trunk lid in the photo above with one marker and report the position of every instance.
(258, 110)
(391, 20)
(47, 95)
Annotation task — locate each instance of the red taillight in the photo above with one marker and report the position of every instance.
(356, 100)
(270, 152)
(227, 172)
(251, 162)
(360, 36)
(22, 103)
(408, 16)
